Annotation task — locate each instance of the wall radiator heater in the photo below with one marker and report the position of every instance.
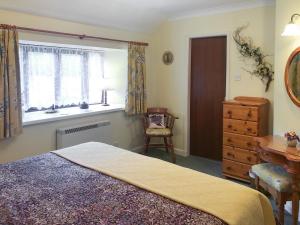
(98, 131)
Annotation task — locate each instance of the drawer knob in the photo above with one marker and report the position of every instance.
(229, 126)
(264, 154)
(229, 112)
(249, 114)
(249, 158)
(229, 140)
(228, 168)
(249, 129)
(249, 144)
(230, 154)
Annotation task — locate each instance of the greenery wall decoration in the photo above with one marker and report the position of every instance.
(263, 69)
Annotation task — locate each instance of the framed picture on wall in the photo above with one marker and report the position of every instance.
(167, 58)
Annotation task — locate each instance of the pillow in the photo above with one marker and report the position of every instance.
(157, 121)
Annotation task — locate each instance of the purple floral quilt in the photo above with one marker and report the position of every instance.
(48, 189)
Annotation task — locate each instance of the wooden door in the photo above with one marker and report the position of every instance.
(208, 87)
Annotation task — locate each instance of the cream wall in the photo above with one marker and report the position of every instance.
(173, 80)
(286, 114)
(37, 139)
(166, 85)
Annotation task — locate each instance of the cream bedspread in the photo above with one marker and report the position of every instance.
(233, 203)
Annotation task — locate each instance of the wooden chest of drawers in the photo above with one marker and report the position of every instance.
(243, 119)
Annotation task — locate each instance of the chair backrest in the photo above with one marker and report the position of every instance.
(169, 118)
(157, 110)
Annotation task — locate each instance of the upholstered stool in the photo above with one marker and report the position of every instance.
(275, 180)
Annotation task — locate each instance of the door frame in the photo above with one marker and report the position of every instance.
(227, 83)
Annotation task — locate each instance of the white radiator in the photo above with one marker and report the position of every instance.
(99, 132)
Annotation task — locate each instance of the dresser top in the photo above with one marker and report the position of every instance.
(278, 145)
(249, 101)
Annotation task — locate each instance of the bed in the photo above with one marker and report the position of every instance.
(95, 183)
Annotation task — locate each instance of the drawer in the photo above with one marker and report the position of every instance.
(236, 169)
(240, 112)
(240, 127)
(239, 141)
(240, 155)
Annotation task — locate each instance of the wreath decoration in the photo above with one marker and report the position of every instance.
(264, 70)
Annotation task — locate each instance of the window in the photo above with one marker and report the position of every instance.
(60, 76)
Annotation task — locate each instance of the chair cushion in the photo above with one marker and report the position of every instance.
(274, 175)
(157, 120)
(158, 131)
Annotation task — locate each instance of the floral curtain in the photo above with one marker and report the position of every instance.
(10, 91)
(136, 93)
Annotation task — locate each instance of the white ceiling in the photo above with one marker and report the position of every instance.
(138, 15)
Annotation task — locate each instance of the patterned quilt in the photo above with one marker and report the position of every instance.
(48, 189)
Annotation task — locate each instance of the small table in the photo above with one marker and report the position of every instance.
(274, 149)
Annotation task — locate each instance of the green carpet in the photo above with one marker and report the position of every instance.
(193, 162)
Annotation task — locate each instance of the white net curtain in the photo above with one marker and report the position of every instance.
(61, 76)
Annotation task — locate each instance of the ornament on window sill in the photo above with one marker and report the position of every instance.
(104, 98)
(84, 105)
(52, 109)
(106, 87)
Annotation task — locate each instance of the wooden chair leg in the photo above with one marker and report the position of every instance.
(166, 144)
(172, 150)
(252, 181)
(256, 183)
(147, 140)
(280, 202)
(295, 207)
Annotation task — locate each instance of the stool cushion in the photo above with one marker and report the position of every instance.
(158, 131)
(274, 175)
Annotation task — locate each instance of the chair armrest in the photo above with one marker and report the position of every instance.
(171, 115)
(172, 120)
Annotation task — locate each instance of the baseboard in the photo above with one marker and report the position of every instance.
(138, 149)
(180, 152)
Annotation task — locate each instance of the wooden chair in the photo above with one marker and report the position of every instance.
(274, 180)
(165, 133)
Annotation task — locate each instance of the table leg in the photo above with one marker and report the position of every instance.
(295, 200)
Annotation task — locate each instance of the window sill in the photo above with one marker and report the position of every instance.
(68, 113)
